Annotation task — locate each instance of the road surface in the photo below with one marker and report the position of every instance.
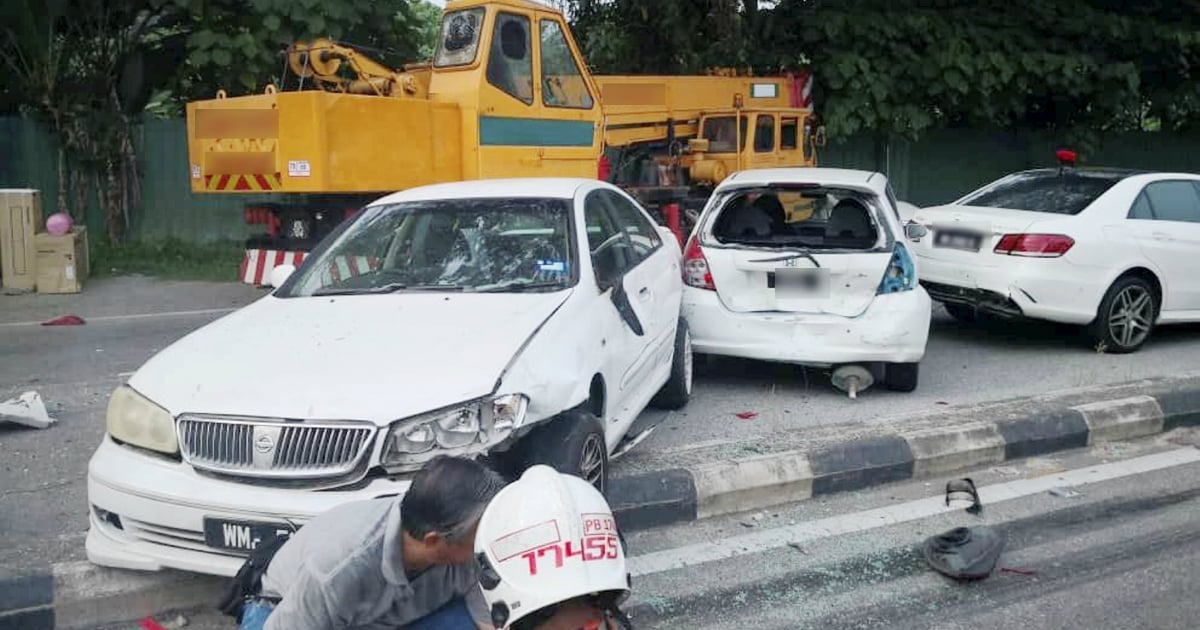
(43, 501)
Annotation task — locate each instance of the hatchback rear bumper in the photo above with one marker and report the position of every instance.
(894, 329)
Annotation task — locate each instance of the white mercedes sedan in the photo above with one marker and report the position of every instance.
(1113, 250)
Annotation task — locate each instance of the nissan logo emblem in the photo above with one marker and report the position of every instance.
(264, 444)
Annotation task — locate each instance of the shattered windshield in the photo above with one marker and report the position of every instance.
(1044, 191)
(460, 38)
(813, 217)
(457, 245)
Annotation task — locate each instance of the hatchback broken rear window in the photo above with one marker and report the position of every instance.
(1044, 191)
(819, 218)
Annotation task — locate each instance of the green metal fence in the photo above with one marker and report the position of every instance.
(940, 167)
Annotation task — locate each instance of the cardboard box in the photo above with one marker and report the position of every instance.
(62, 261)
(20, 215)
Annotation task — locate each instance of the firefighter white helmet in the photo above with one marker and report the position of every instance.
(545, 539)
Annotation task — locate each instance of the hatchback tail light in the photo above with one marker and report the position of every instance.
(695, 267)
(1034, 245)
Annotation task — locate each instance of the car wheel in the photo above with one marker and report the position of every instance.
(961, 312)
(572, 443)
(901, 377)
(675, 393)
(1126, 316)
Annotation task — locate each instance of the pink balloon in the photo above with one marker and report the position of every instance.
(59, 223)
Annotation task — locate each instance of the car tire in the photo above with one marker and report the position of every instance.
(572, 443)
(901, 377)
(676, 392)
(961, 312)
(1130, 303)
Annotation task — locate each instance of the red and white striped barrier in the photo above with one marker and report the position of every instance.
(344, 267)
(258, 264)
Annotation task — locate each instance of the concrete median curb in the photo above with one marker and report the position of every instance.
(1038, 427)
(80, 595)
(77, 595)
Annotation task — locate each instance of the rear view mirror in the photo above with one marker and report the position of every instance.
(915, 231)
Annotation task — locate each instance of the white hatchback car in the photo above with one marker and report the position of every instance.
(526, 321)
(807, 266)
(1114, 250)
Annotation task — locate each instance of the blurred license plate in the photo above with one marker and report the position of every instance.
(958, 239)
(799, 283)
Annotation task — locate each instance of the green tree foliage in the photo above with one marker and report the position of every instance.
(657, 36)
(238, 45)
(903, 66)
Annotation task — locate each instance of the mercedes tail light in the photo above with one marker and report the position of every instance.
(695, 267)
(1034, 245)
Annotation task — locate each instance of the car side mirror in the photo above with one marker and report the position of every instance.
(280, 274)
(821, 139)
(915, 231)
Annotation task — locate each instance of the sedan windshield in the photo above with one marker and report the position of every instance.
(457, 245)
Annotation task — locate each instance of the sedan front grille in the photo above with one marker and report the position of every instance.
(272, 448)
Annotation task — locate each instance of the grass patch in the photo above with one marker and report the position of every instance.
(169, 259)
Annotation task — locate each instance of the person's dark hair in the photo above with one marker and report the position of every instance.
(447, 497)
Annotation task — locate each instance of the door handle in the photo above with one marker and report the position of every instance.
(1161, 236)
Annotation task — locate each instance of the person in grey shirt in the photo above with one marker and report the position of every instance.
(385, 563)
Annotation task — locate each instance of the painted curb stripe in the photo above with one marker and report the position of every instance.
(861, 464)
(1181, 408)
(645, 500)
(1053, 430)
(28, 591)
(653, 499)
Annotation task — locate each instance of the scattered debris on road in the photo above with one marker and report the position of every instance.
(27, 409)
(957, 487)
(1063, 493)
(747, 415)
(964, 553)
(65, 320)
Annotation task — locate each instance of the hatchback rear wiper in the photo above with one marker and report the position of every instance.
(789, 257)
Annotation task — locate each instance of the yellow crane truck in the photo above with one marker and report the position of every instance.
(495, 101)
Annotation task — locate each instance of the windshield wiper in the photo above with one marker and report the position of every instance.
(518, 286)
(389, 288)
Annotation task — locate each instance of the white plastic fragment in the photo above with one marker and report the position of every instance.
(27, 409)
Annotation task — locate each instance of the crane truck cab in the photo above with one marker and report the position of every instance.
(507, 94)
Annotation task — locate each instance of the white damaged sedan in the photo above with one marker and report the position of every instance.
(524, 321)
(808, 266)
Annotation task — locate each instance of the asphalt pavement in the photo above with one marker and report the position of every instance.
(1104, 537)
(75, 368)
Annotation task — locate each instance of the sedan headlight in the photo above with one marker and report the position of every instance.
(133, 419)
(476, 422)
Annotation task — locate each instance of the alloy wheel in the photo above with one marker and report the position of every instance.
(591, 464)
(1131, 315)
